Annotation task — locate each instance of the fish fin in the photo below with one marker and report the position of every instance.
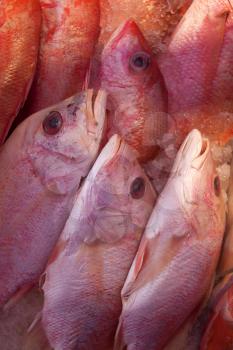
(36, 338)
(135, 269)
(86, 82)
(16, 297)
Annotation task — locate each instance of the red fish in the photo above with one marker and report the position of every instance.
(82, 300)
(189, 68)
(42, 165)
(69, 31)
(178, 253)
(137, 96)
(20, 22)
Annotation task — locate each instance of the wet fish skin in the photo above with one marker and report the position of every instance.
(87, 270)
(178, 253)
(70, 29)
(20, 23)
(137, 95)
(189, 67)
(41, 172)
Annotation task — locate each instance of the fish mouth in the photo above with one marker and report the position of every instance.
(108, 153)
(96, 111)
(192, 153)
(127, 27)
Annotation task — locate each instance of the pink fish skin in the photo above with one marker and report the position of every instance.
(82, 300)
(178, 253)
(189, 68)
(70, 29)
(20, 23)
(42, 164)
(137, 95)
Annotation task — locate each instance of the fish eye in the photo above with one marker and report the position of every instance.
(137, 188)
(52, 123)
(217, 186)
(140, 61)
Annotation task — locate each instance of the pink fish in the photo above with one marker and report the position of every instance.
(83, 282)
(42, 165)
(137, 96)
(178, 253)
(189, 68)
(20, 22)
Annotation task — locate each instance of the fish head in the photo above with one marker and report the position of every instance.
(137, 100)
(121, 196)
(197, 183)
(127, 58)
(62, 141)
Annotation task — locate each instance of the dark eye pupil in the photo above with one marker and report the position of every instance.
(140, 61)
(52, 123)
(217, 186)
(137, 188)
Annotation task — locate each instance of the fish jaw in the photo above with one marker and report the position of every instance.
(137, 99)
(91, 238)
(21, 51)
(177, 233)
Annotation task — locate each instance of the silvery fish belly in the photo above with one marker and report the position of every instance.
(83, 281)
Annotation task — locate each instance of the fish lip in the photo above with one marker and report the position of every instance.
(192, 153)
(108, 153)
(127, 26)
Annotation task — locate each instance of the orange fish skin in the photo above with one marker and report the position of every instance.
(219, 331)
(156, 18)
(137, 95)
(69, 31)
(20, 23)
(190, 66)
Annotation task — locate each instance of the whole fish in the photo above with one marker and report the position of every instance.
(82, 300)
(178, 253)
(189, 68)
(137, 101)
(69, 31)
(20, 22)
(42, 165)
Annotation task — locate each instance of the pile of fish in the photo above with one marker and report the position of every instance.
(116, 173)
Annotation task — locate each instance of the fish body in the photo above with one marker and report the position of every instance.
(83, 280)
(42, 165)
(69, 31)
(189, 67)
(137, 95)
(20, 23)
(175, 263)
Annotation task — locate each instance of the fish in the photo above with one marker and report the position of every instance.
(85, 274)
(20, 23)
(178, 253)
(70, 29)
(42, 165)
(137, 98)
(189, 67)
